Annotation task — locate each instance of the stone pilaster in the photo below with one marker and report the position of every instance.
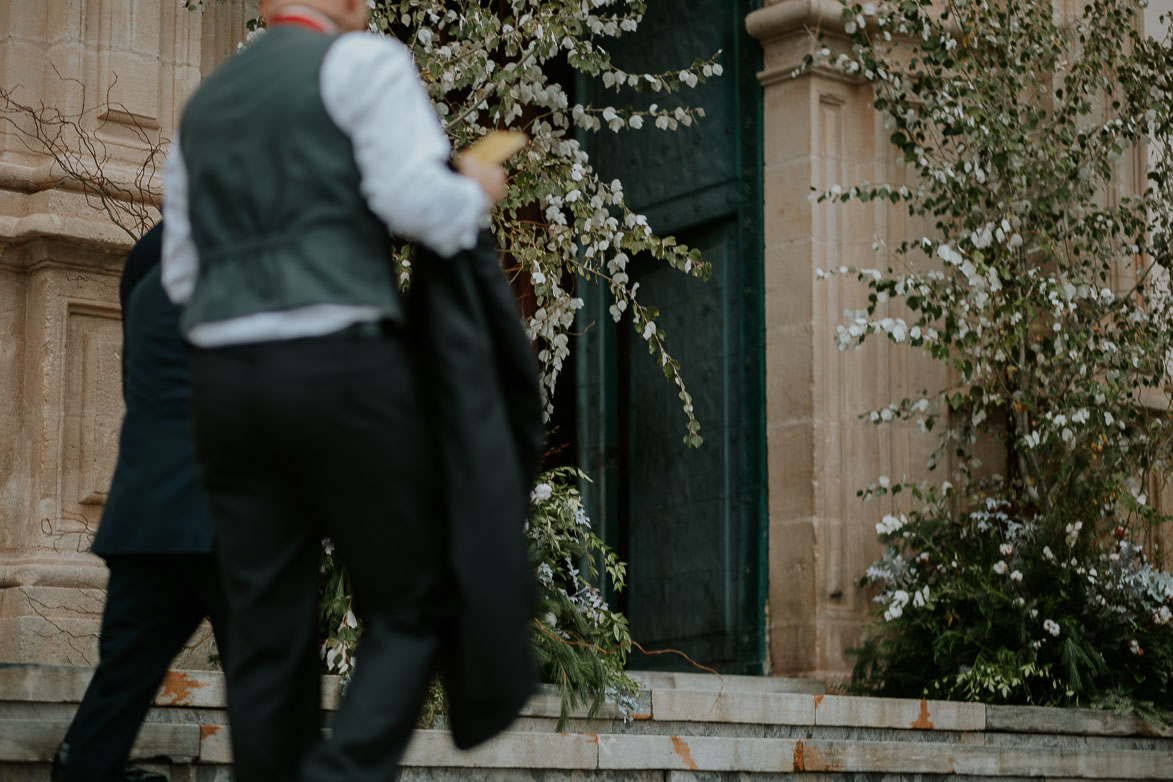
(820, 130)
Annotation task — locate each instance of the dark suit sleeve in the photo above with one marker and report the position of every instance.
(144, 256)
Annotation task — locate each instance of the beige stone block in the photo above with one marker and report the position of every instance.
(509, 750)
(727, 683)
(898, 713)
(695, 753)
(1074, 763)
(840, 630)
(792, 644)
(179, 742)
(789, 283)
(1086, 722)
(787, 121)
(49, 640)
(25, 682)
(788, 215)
(791, 462)
(29, 740)
(766, 708)
(29, 23)
(147, 19)
(792, 576)
(25, 63)
(215, 744)
(547, 703)
(790, 380)
(63, 21)
(191, 688)
(73, 602)
(873, 756)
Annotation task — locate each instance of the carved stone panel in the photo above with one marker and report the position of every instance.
(93, 407)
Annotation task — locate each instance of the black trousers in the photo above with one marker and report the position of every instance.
(153, 604)
(302, 439)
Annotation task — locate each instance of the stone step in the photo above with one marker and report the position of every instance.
(686, 729)
(534, 756)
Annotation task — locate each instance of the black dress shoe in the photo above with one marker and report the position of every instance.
(60, 757)
(136, 774)
(130, 773)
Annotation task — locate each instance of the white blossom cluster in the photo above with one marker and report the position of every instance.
(560, 222)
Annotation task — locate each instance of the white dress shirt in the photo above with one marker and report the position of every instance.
(371, 90)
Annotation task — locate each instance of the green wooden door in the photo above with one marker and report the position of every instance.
(690, 522)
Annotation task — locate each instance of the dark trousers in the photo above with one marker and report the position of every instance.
(153, 604)
(302, 439)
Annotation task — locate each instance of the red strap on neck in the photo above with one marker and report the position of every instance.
(300, 20)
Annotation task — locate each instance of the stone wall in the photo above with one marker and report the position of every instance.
(121, 70)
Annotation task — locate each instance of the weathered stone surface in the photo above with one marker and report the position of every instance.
(547, 702)
(899, 713)
(695, 753)
(31, 741)
(509, 750)
(1123, 764)
(727, 683)
(732, 706)
(215, 744)
(1094, 722)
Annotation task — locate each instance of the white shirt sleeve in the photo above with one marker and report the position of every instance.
(372, 91)
(180, 261)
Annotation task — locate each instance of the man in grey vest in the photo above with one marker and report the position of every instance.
(291, 164)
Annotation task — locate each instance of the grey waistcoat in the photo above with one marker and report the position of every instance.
(277, 216)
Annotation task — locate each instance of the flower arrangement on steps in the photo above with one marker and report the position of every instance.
(581, 644)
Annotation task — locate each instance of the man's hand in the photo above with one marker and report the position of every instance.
(490, 177)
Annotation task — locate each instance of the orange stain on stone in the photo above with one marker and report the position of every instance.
(799, 760)
(922, 721)
(680, 747)
(177, 688)
(208, 730)
(818, 701)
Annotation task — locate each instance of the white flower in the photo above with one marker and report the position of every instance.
(1134, 647)
(1016, 576)
(1000, 567)
(1050, 555)
(921, 597)
(541, 493)
(1051, 627)
(1163, 616)
(896, 609)
(1005, 549)
(890, 524)
(649, 330)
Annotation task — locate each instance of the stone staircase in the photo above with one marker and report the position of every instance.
(688, 728)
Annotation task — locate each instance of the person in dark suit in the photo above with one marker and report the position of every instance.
(155, 535)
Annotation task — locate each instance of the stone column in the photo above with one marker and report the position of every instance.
(820, 130)
(121, 69)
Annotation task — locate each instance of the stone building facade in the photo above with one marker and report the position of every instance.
(126, 66)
